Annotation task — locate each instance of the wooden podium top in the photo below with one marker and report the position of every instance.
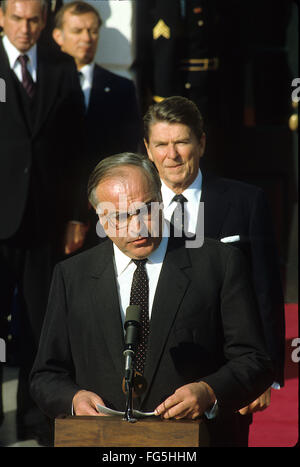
(110, 431)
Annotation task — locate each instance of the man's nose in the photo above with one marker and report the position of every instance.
(25, 26)
(137, 226)
(172, 151)
(86, 35)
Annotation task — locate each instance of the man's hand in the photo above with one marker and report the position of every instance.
(84, 403)
(261, 403)
(189, 401)
(74, 236)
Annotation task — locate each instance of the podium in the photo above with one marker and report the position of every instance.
(110, 431)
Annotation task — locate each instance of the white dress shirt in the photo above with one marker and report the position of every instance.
(13, 55)
(192, 194)
(125, 267)
(86, 81)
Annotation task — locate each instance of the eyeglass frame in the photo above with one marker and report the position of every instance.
(138, 212)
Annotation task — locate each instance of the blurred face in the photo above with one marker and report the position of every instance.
(176, 152)
(78, 37)
(22, 23)
(122, 199)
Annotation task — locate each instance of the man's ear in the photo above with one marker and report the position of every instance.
(1, 17)
(148, 150)
(202, 144)
(103, 222)
(58, 36)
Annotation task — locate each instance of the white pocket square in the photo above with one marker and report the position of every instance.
(233, 238)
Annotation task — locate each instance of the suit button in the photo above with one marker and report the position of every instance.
(26, 170)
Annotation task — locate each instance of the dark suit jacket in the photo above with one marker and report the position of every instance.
(40, 151)
(235, 208)
(113, 123)
(207, 329)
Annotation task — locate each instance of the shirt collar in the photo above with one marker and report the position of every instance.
(13, 53)
(190, 192)
(87, 72)
(122, 261)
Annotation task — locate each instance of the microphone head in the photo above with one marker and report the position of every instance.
(133, 313)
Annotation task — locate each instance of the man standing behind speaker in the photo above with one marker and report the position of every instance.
(110, 100)
(234, 212)
(112, 118)
(39, 154)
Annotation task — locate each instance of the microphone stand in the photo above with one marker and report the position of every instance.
(129, 386)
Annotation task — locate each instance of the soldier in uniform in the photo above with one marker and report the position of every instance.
(178, 54)
(181, 45)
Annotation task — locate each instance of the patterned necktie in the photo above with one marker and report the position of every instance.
(139, 295)
(177, 219)
(27, 80)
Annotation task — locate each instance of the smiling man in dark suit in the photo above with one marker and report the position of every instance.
(112, 120)
(38, 161)
(204, 348)
(110, 100)
(234, 212)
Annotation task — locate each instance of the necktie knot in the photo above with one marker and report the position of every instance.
(179, 199)
(23, 59)
(140, 262)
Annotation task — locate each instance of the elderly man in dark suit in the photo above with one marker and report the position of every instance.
(112, 117)
(234, 212)
(39, 159)
(110, 100)
(201, 350)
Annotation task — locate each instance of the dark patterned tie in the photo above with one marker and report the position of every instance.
(177, 219)
(27, 80)
(139, 295)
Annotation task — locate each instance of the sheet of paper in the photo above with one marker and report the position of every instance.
(135, 413)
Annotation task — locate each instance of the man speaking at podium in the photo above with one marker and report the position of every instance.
(201, 351)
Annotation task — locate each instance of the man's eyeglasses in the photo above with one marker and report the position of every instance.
(120, 220)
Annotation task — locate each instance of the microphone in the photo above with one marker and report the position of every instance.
(132, 327)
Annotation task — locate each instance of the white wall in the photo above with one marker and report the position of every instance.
(115, 48)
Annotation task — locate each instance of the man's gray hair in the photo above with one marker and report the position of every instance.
(113, 165)
(44, 4)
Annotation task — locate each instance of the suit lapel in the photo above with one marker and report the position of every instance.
(100, 91)
(97, 91)
(216, 206)
(46, 90)
(107, 307)
(11, 94)
(165, 306)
